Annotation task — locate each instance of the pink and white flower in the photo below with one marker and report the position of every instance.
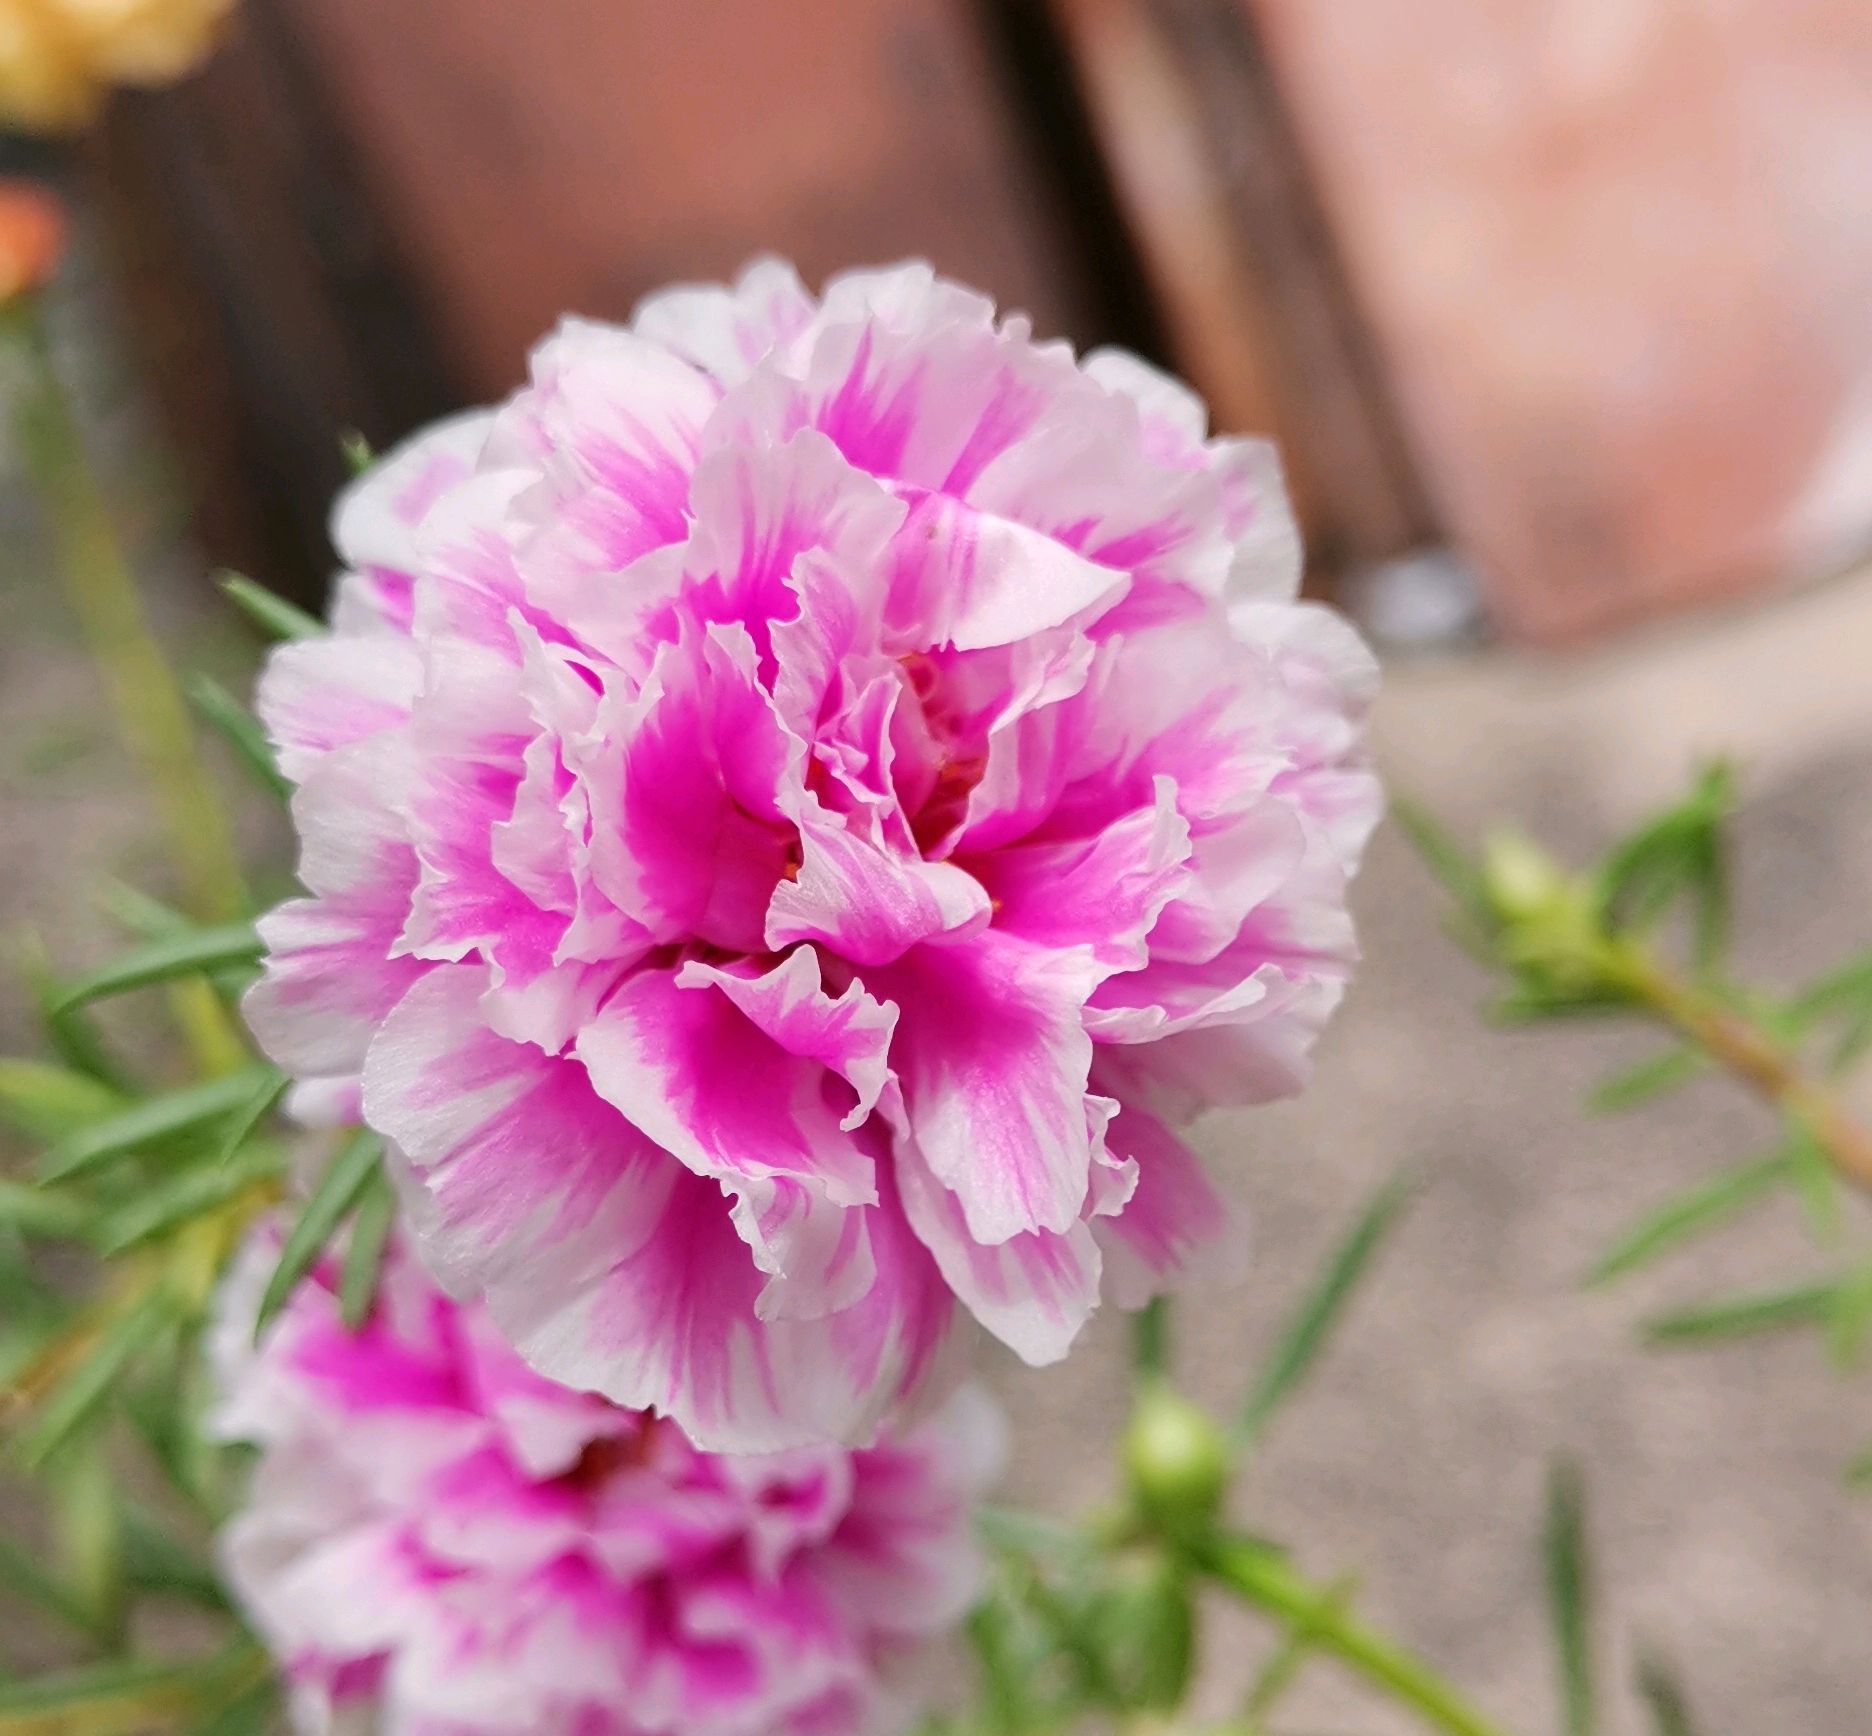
(798, 807)
(438, 1542)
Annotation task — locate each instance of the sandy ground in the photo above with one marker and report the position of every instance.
(1417, 1456)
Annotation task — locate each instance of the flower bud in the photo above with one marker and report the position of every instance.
(1146, 1629)
(1521, 882)
(1176, 1460)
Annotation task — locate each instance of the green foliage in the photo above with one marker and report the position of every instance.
(1601, 941)
(1678, 855)
(1689, 1214)
(127, 1697)
(364, 1253)
(272, 614)
(156, 1182)
(1569, 1597)
(27, 1585)
(1648, 1080)
(105, 1356)
(167, 1204)
(1663, 1697)
(47, 1102)
(1745, 1316)
(240, 729)
(187, 953)
(1300, 1343)
(332, 1200)
(154, 1120)
(70, 1033)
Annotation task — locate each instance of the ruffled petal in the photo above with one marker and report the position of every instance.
(994, 1062)
(319, 694)
(1033, 1290)
(331, 972)
(726, 332)
(1174, 1226)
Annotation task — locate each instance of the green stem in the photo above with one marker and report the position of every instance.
(1748, 1054)
(1150, 1339)
(1262, 1578)
(151, 712)
(150, 708)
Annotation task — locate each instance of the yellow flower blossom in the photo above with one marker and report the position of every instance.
(59, 57)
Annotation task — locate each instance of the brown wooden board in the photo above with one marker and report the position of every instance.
(1236, 250)
(271, 311)
(569, 155)
(1619, 256)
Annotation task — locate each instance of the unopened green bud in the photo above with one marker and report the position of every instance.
(1144, 1624)
(1176, 1460)
(1521, 882)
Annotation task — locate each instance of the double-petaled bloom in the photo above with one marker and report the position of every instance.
(437, 1542)
(798, 806)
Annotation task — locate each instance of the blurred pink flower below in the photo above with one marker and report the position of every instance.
(798, 805)
(437, 1542)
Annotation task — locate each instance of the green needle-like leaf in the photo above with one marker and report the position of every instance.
(272, 614)
(1650, 1078)
(25, 1582)
(247, 1713)
(152, 1121)
(1445, 858)
(87, 1511)
(1690, 1213)
(1817, 1184)
(194, 952)
(1744, 1316)
(155, 1562)
(127, 1698)
(164, 1207)
(47, 1102)
(77, 1398)
(1845, 992)
(72, 1034)
(1849, 1323)
(339, 1190)
(240, 729)
(364, 1254)
(256, 1109)
(37, 1211)
(1569, 1596)
(1305, 1335)
(1664, 1698)
(1678, 851)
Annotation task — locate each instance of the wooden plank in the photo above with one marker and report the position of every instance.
(1619, 257)
(573, 154)
(1240, 260)
(271, 313)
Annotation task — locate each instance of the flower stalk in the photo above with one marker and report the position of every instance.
(1262, 1578)
(151, 712)
(1749, 1055)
